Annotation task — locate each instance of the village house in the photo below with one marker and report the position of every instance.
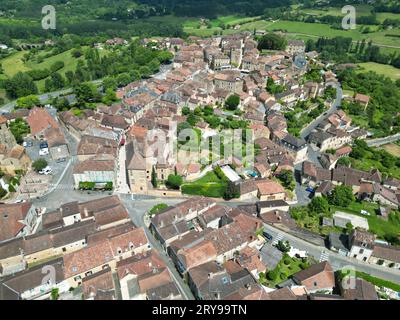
(96, 170)
(318, 277)
(295, 47)
(103, 254)
(17, 220)
(15, 159)
(99, 286)
(361, 245)
(362, 99)
(58, 146)
(91, 146)
(269, 190)
(229, 80)
(39, 120)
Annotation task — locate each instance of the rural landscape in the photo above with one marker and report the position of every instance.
(199, 150)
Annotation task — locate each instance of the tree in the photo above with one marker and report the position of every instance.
(21, 85)
(341, 196)
(54, 294)
(109, 97)
(287, 179)
(39, 164)
(272, 41)
(345, 161)
(231, 191)
(232, 102)
(86, 92)
(174, 181)
(349, 227)
(154, 181)
(283, 246)
(28, 102)
(319, 205)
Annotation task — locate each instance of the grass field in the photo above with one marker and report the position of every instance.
(209, 186)
(14, 64)
(393, 149)
(377, 225)
(384, 69)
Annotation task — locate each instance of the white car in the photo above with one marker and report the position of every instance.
(365, 213)
(43, 152)
(46, 171)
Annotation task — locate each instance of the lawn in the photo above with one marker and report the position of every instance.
(361, 10)
(209, 186)
(384, 69)
(285, 269)
(382, 228)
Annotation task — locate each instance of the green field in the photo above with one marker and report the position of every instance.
(14, 64)
(209, 186)
(377, 225)
(384, 69)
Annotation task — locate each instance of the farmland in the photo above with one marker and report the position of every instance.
(383, 69)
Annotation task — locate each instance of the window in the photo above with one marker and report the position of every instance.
(64, 249)
(365, 259)
(315, 284)
(361, 251)
(119, 251)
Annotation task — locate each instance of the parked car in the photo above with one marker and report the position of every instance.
(43, 152)
(61, 160)
(309, 189)
(365, 213)
(27, 144)
(46, 171)
(267, 236)
(43, 145)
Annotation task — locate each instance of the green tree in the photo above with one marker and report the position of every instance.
(319, 205)
(287, 179)
(3, 193)
(154, 181)
(232, 102)
(39, 164)
(174, 181)
(20, 85)
(28, 102)
(283, 246)
(341, 196)
(272, 41)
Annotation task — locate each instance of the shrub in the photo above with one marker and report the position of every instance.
(287, 261)
(3, 193)
(11, 188)
(86, 185)
(303, 265)
(39, 164)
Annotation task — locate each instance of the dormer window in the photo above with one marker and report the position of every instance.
(131, 246)
(119, 251)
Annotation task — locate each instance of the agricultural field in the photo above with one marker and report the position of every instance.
(393, 149)
(384, 69)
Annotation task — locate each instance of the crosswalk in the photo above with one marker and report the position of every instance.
(278, 238)
(324, 256)
(62, 187)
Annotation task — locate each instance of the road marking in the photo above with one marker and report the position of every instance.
(324, 256)
(278, 238)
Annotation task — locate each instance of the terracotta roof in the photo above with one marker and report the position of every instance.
(317, 276)
(94, 285)
(39, 119)
(197, 255)
(267, 187)
(389, 253)
(10, 217)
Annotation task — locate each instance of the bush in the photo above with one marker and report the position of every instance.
(272, 275)
(157, 208)
(85, 185)
(11, 188)
(174, 181)
(109, 186)
(303, 265)
(287, 261)
(39, 164)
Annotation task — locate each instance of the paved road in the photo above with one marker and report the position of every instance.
(335, 105)
(381, 141)
(337, 261)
